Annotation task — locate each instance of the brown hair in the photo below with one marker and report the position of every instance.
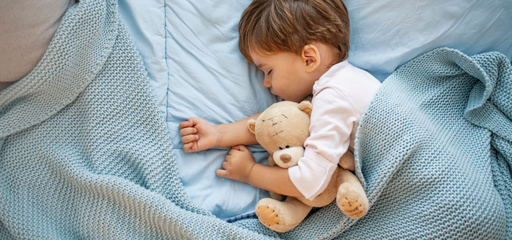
(272, 26)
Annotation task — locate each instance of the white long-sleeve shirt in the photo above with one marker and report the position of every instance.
(340, 98)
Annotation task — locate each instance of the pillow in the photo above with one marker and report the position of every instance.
(27, 28)
(386, 34)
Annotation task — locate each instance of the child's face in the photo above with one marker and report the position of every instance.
(285, 75)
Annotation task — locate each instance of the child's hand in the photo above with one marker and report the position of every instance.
(198, 134)
(238, 164)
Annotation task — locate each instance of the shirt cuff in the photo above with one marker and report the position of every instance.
(312, 174)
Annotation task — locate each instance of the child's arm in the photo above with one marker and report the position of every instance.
(240, 166)
(198, 134)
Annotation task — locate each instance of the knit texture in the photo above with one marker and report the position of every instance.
(435, 150)
(85, 154)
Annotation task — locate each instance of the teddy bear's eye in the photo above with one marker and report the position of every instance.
(287, 146)
(280, 148)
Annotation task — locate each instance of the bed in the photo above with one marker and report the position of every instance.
(90, 146)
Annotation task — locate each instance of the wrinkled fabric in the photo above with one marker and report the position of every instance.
(434, 149)
(85, 152)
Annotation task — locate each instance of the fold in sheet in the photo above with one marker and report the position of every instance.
(86, 154)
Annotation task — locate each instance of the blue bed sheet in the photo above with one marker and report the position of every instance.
(85, 153)
(190, 50)
(386, 34)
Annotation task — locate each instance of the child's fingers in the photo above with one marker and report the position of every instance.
(188, 131)
(184, 124)
(225, 164)
(230, 151)
(240, 148)
(187, 147)
(189, 138)
(192, 121)
(221, 173)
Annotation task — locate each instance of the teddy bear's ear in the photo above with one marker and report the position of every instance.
(306, 107)
(252, 125)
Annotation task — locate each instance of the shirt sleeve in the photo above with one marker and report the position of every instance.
(332, 120)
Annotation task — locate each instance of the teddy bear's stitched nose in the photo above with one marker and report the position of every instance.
(285, 158)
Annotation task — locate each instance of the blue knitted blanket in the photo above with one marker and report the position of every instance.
(84, 153)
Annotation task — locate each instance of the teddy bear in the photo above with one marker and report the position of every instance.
(282, 130)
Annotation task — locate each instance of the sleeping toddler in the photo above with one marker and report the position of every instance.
(302, 47)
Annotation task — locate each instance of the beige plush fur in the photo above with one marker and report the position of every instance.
(282, 129)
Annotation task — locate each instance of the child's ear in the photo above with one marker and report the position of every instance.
(311, 57)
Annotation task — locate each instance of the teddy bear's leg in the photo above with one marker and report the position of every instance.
(347, 161)
(351, 198)
(281, 216)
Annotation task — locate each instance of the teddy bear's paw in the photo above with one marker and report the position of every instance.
(352, 208)
(267, 215)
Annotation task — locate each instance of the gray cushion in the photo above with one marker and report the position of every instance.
(26, 29)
